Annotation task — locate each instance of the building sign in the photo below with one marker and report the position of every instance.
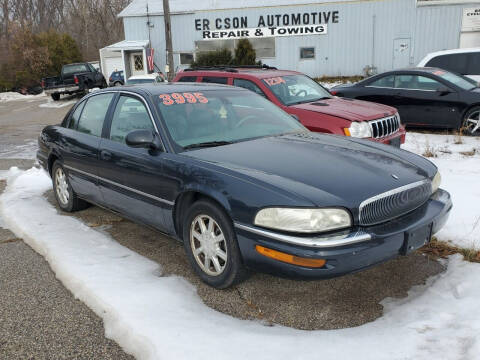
(309, 23)
(471, 19)
(264, 32)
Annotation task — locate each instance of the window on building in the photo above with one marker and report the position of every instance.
(250, 85)
(130, 114)
(188, 79)
(307, 53)
(93, 114)
(264, 47)
(215, 79)
(186, 58)
(386, 81)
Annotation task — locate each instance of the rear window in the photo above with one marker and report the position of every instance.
(74, 69)
(464, 64)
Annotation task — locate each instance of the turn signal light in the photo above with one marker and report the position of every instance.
(290, 259)
(347, 131)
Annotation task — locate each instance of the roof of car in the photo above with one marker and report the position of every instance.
(447, 52)
(161, 88)
(232, 72)
(143, 76)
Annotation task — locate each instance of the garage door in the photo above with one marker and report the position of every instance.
(112, 64)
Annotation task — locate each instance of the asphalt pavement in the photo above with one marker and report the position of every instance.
(41, 319)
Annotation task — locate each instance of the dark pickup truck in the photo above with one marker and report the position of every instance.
(74, 78)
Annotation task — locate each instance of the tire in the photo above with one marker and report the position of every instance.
(104, 84)
(66, 198)
(218, 271)
(117, 83)
(56, 96)
(471, 121)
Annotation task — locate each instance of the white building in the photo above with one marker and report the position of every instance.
(331, 37)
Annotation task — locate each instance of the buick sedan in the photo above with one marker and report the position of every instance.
(242, 184)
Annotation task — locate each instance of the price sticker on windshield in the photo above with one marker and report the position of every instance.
(275, 81)
(183, 98)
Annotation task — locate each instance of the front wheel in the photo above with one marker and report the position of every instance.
(471, 121)
(211, 245)
(66, 198)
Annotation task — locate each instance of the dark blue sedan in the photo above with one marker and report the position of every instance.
(241, 183)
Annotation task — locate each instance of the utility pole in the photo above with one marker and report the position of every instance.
(168, 39)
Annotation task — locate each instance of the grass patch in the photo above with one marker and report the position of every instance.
(440, 249)
(429, 151)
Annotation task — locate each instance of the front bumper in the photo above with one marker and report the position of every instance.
(346, 252)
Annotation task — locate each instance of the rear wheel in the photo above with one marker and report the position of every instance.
(117, 83)
(56, 96)
(471, 121)
(211, 245)
(66, 198)
(104, 84)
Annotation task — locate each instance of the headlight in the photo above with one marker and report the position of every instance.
(359, 130)
(303, 220)
(437, 179)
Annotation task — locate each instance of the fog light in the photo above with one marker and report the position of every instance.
(290, 259)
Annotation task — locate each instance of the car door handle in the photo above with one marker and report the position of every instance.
(105, 155)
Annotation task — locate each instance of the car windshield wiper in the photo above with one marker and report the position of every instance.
(207, 144)
(310, 100)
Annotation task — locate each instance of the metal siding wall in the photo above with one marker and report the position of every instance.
(345, 50)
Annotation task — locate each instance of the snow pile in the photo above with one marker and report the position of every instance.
(156, 317)
(459, 165)
(12, 96)
(330, 85)
(57, 104)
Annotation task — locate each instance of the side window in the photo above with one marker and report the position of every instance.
(414, 82)
(188, 79)
(452, 62)
(386, 81)
(249, 85)
(93, 115)
(215, 79)
(130, 114)
(473, 64)
(73, 122)
(426, 83)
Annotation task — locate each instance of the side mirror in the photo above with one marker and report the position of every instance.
(143, 139)
(443, 90)
(295, 117)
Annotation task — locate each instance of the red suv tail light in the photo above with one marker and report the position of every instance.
(43, 84)
(75, 79)
(333, 92)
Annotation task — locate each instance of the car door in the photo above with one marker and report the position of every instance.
(79, 144)
(380, 90)
(422, 101)
(130, 179)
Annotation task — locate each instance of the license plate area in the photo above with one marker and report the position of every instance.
(395, 142)
(416, 238)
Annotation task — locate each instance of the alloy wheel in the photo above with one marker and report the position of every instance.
(472, 123)
(208, 244)
(61, 186)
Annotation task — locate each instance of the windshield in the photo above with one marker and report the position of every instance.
(296, 89)
(460, 81)
(221, 116)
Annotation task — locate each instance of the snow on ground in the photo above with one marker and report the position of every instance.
(330, 85)
(460, 176)
(155, 317)
(57, 104)
(24, 151)
(13, 96)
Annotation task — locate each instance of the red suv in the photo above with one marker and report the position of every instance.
(311, 103)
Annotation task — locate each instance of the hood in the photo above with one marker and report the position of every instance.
(349, 109)
(326, 170)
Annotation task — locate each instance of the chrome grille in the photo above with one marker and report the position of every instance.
(394, 203)
(385, 126)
